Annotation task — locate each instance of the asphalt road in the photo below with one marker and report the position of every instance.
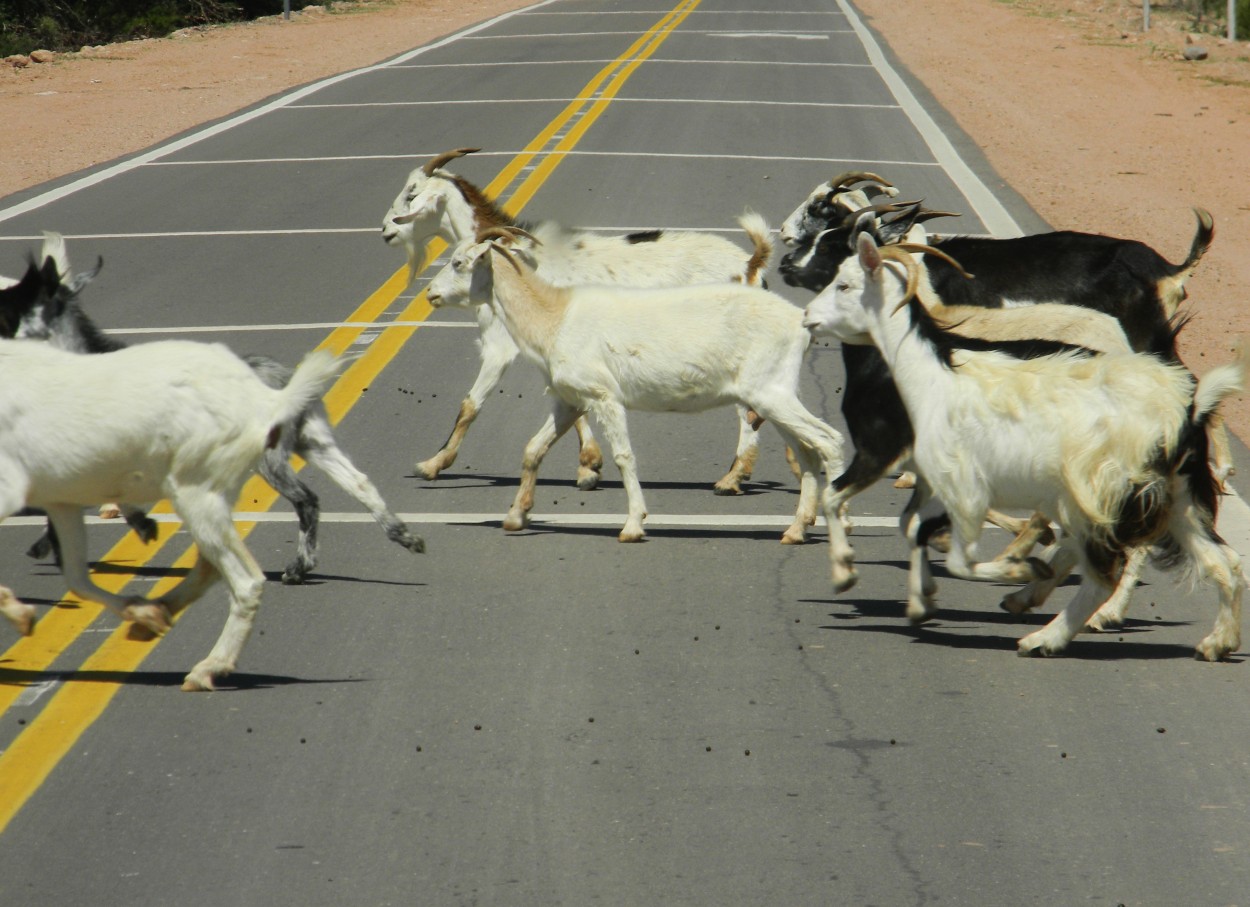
(551, 717)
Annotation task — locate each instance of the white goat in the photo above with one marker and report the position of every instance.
(1111, 446)
(437, 203)
(176, 419)
(605, 350)
(51, 312)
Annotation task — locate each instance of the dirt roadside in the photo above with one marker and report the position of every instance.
(1098, 126)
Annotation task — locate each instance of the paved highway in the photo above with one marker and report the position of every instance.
(551, 717)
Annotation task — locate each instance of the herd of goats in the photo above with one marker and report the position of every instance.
(1036, 374)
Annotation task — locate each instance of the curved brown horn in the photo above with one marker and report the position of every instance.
(446, 157)
(930, 250)
(899, 254)
(509, 233)
(851, 177)
(883, 208)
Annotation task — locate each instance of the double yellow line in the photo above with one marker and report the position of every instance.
(74, 707)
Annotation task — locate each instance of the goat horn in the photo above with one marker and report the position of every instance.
(509, 233)
(851, 177)
(930, 250)
(447, 156)
(899, 254)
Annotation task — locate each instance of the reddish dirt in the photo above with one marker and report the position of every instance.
(1099, 126)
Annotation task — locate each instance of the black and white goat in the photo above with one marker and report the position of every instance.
(51, 312)
(605, 350)
(436, 203)
(1121, 278)
(1113, 447)
(175, 420)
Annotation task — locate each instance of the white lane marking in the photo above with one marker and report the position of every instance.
(554, 519)
(983, 201)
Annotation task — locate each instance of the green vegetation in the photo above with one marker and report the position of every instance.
(68, 25)
(1211, 16)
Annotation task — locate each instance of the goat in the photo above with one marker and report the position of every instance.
(830, 202)
(437, 203)
(175, 419)
(1082, 270)
(607, 349)
(53, 314)
(1112, 446)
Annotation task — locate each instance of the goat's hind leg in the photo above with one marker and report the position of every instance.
(317, 444)
(1055, 636)
(275, 468)
(1110, 615)
(206, 515)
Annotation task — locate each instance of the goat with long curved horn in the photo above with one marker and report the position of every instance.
(445, 158)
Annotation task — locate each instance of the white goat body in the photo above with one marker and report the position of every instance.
(1089, 441)
(436, 203)
(175, 419)
(606, 349)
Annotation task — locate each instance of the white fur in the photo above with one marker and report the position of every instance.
(434, 206)
(176, 419)
(1068, 436)
(605, 350)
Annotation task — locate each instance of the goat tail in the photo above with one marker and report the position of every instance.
(1202, 241)
(1222, 381)
(757, 231)
(309, 379)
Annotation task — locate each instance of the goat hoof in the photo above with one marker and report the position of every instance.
(1036, 644)
(1016, 604)
(632, 536)
(426, 470)
(109, 511)
(415, 544)
(1214, 650)
(587, 479)
(1041, 569)
(1104, 623)
(146, 531)
(905, 480)
(515, 522)
(293, 578)
(845, 582)
(152, 616)
(726, 489)
(794, 537)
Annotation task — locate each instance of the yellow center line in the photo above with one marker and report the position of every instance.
(67, 715)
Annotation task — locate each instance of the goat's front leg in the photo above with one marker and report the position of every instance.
(1061, 558)
(1030, 532)
(498, 352)
(589, 456)
(1055, 636)
(611, 416)
(206, 515)
(558, 422)
(745, 456)
(67, 521)
(918, 521)
(963, 562)
(18, 613)
(1110, 615)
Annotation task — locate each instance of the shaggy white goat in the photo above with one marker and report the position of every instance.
(605, 350)
(176, 419)
(436, 203)
(1111, 446)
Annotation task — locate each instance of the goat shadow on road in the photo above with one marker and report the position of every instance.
(654, 533)
(271, 576)
(241, 680)
(1108, 646)
(456, 481)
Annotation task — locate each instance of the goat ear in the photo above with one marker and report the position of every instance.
(75, 284)
(424, 208)
(869, 254)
